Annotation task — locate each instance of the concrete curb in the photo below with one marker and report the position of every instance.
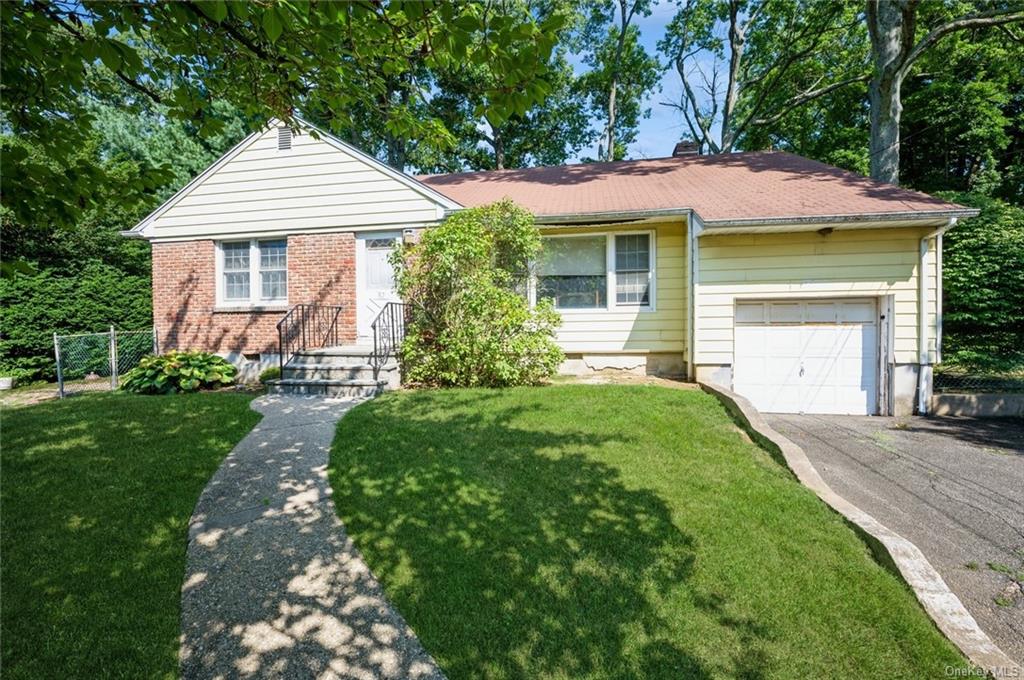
(942, 605)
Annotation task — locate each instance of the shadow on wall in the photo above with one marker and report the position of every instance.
(194, 325)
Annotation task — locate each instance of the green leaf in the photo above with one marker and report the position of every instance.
(215, 9)
(272, 24)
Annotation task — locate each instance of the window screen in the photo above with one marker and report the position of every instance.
(633, 269)
(573, 272)
(236, 270)
(274, 270)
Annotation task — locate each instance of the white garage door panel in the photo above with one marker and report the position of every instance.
(816, 356)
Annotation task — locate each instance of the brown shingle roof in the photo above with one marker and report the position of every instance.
(740, 186)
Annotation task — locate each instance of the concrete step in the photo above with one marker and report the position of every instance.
(335, 371)
(351, 354)
(330, 388)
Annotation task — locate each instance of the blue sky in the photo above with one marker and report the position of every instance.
(659, 133)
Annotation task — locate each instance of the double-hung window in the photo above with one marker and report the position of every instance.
(597, 271)
(633, 270)
(253, 272)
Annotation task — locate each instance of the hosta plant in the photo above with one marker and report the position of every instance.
(178, 372)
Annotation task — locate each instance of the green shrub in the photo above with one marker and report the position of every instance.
(272, 373)
(470, 323)
(178, 372)
(73, 299)
(983, 287)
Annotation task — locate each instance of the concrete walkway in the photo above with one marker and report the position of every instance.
(273, 586)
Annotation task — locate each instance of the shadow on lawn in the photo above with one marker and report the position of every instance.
(508, 553)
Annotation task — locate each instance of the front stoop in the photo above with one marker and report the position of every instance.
(343, 371)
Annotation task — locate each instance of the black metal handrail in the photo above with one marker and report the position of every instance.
(388, 332)
(307, 326)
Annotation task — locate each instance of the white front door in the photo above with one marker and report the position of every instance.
(813, 356)
(375, 278)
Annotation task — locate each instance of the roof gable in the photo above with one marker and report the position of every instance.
(320, 182)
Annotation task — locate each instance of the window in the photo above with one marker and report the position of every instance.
(254, 272)
(273, 270)
(633, 269)
(597, 271)
(573, 272)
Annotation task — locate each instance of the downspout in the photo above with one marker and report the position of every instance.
(924, 365)
(693, 229)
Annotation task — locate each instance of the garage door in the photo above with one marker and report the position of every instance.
(807, 356)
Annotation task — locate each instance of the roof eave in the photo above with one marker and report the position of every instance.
(856, 218)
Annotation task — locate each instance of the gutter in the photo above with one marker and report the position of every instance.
(710, 225)
(961, 213)
(924, 365)
(568, 218)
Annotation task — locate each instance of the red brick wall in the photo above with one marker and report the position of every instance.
(321, 269)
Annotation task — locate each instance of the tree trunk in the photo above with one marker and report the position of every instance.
(884, 147)
(737, 40)
(891, 30)
(396, 152)
(610, 132)
(498, 142)
(624, 17)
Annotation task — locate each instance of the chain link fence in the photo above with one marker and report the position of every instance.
(90, 362)
(959, 380)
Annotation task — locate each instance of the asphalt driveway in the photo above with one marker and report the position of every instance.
(953, 486)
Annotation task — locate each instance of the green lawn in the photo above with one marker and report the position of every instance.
(96, 496)
(613, 531)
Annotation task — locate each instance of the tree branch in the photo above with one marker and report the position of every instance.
(980, 20)
(807, 96)
(704, 129)
(81, 37)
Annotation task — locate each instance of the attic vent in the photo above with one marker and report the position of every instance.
(284, 138)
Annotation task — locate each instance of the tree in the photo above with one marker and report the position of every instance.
(983, 287)
(754, 61)
(895, 47)
(963, 124)
(268, 59)
(963, 114)
(548, 133)
(616, 84)
(80, 274)
(621, 71)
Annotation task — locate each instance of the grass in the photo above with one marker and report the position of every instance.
(96, 497)
(579, 531)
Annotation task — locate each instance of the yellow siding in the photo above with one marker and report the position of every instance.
(875, 262)
(311, 186)
(631, 330)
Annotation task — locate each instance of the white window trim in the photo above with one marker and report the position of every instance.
(255, 301)
(612, 304)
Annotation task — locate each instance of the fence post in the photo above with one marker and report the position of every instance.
(113, 358)
(156, 342)
(60, 372)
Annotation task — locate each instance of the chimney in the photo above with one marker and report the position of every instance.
(686, 147)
